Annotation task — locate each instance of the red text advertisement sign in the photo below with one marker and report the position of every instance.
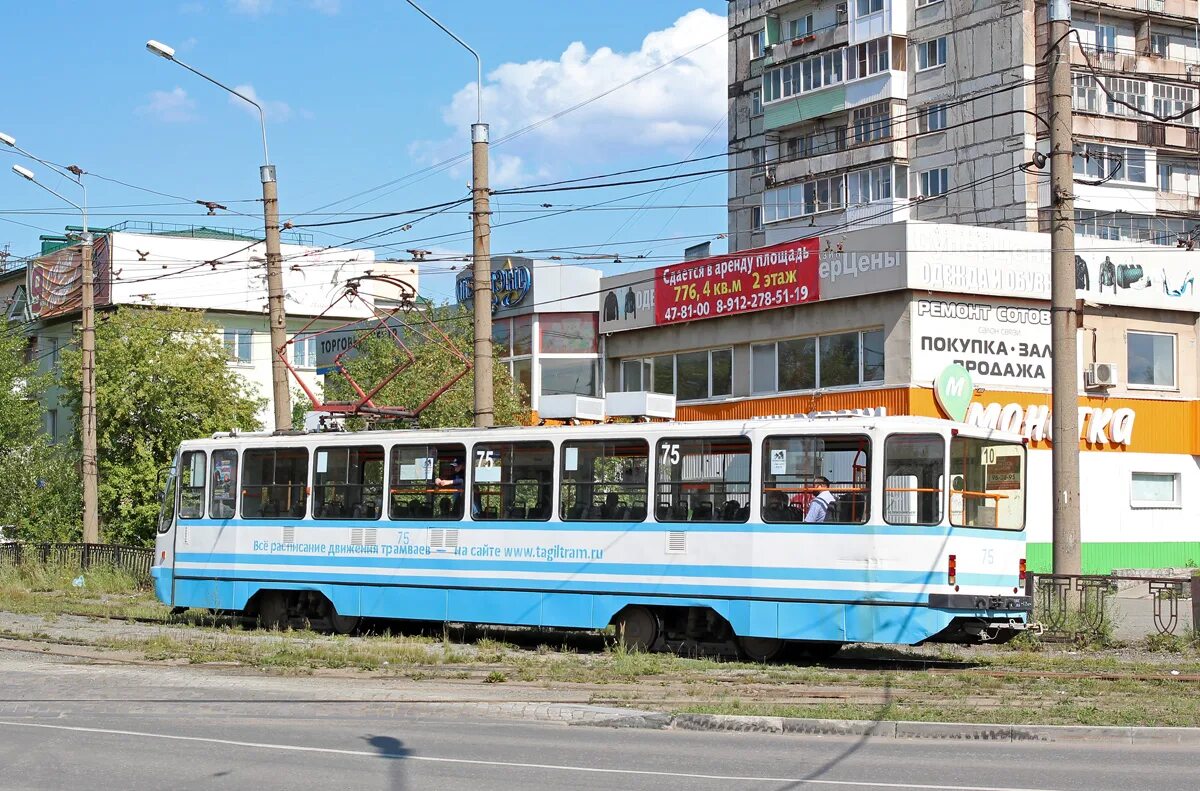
(760, 279)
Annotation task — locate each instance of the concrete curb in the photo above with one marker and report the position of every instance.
(888, 729)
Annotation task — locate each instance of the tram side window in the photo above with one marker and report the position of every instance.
(348, 483)
(816, 479)
(222, 499)
(274, 483)
(512, 480)
(987, 483)
(913, 471)
(191, 484)
(703, 480)
(427, 482)
(604, 481)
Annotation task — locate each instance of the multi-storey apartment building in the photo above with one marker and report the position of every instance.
(847, 113)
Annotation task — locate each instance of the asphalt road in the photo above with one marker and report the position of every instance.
(95, 727)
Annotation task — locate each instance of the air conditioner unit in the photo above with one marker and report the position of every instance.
(1100, 375)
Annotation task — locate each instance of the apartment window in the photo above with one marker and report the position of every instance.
(1165, 172)
(237, 345)
(922, 3)
(821, 71)
(756, 107)
(1106, 38)
(1086, 94)
(1150, 359)
(758, 43)
(756, 161)
(1160, 44)
(864, 7)
(934, 182)
(867, 186)
(801, 200)
(871, 57)
(755, 217)
(931, 118)
(798, 28)
(1131, 92)
(1100, 161)
(838, 360)
(1174, 100)
(304, 351)
(931, 54)
(872, 122)
(1154, 490)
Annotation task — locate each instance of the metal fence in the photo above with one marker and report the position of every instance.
(1096, 606)
(134, 560)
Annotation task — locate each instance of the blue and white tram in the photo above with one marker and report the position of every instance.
(822, 530)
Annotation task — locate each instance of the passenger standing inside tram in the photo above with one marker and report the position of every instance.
(818, 509)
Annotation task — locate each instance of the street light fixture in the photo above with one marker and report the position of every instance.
(275, 296)
(481, 276)
(87, 342)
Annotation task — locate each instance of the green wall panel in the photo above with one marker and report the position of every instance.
(1101, 557)
(794, 110)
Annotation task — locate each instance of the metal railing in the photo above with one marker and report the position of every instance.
(1095, 606)
(133, 560)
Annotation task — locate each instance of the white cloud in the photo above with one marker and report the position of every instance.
(674, 107)
(274, 110)
(327, 7)
(250, 7)
(170, 107)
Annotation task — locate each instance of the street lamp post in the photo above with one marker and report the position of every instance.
(481, 252)
(87, 346)
(278, 314)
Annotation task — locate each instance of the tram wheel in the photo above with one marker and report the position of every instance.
(761, 649)
(637, 628)
(273, 610)
(342, 624)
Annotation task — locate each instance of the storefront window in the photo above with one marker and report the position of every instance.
(664, 374)
(631, 376)
(798, 364)
(502, 336)
(722, 372)
(1151, 359)
(839, 359)
(567, 333)
(692, 376)
(522, 374)
(872, 356)
(522, 335)
(561, 377)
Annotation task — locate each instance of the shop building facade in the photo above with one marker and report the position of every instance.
(869, 319)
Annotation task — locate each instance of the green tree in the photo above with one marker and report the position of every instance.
(433, 367)
(41, 496)
(161, 378)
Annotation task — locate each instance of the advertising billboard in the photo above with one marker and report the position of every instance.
(56, 279)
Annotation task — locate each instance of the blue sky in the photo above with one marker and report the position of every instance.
(362, 93)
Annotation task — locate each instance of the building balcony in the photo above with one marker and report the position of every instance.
(818, 41)
(1126, 62)
(1176, 203)
(1140, 132)
(1181, 10)
(852, 156)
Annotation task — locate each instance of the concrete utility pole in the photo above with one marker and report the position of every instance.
(1065, 316)
(281, 395)
(481, 270)
(87, 345)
